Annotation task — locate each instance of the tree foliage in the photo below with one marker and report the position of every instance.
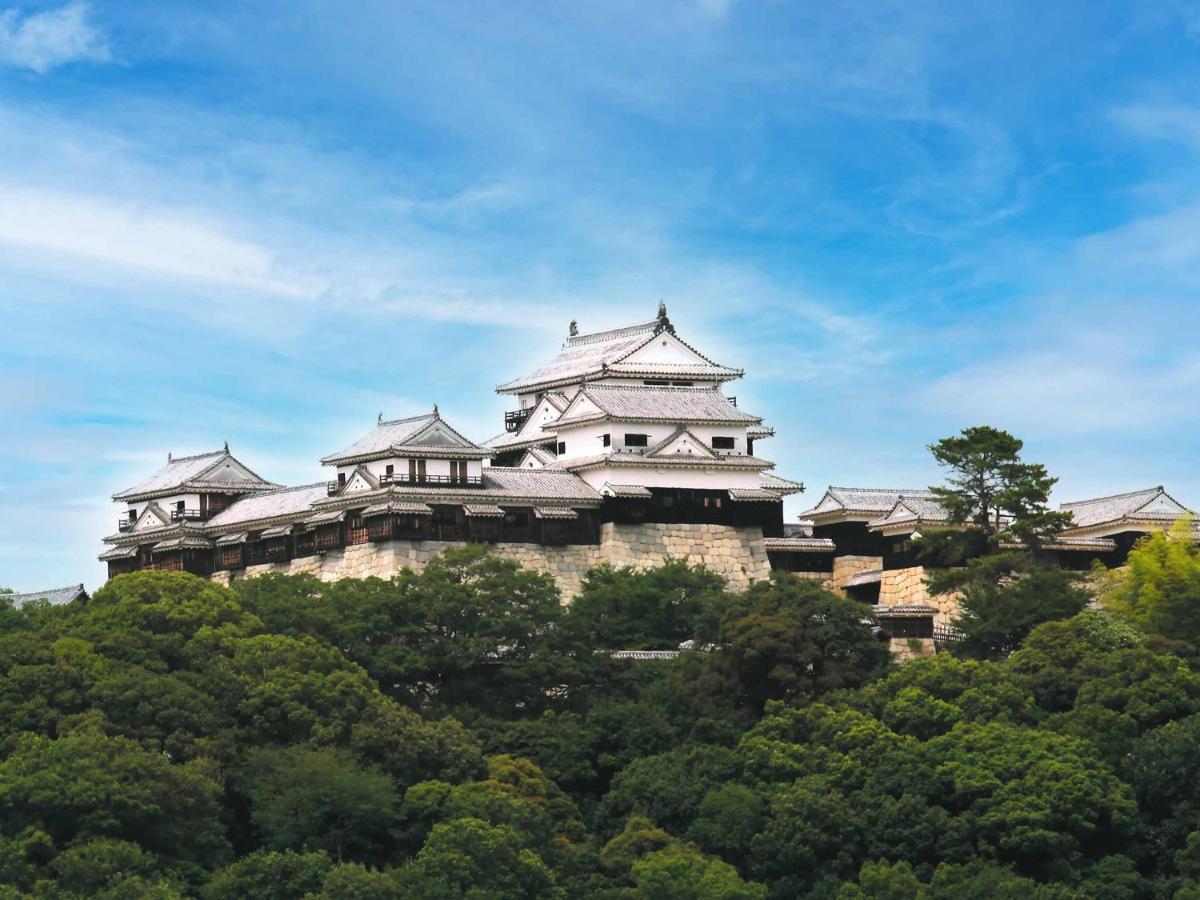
(990, 487)
(455, 734)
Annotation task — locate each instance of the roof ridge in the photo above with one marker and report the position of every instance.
(1148, 490)
(427, 415)
(65, 587)
(655, 387)
(904, 492)
(596, 337)
(284, 490)
(175, 459)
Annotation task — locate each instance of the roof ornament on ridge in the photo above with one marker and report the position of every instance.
(573, 329)
(664, 324)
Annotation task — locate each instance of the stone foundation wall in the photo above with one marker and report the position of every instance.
(736, 553)
(846, 567)
(905, 649)
(906, 587)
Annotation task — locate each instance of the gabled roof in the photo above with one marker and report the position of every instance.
(588, 355)
(1152, 505)
(425, 435)
(680, 442)
(216, 471)
(537, 428)
(839, 503)
(53, 596)
(914, 510)
(643, 403)
(535, 458)
(146, 520)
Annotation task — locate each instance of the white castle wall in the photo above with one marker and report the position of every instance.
(736, 553)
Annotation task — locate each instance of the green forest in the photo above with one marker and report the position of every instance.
(461, 733)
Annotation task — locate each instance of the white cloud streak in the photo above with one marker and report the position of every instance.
(43, 41)
(157, 241)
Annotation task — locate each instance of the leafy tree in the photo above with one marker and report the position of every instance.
(681, 872)
(321, 799)
(470, 858)
(1003, 597)
(789, 638)
(269, 875)
(1159, 587)
(669, 789)
(353, 881)
(991, 488)
(656, 608)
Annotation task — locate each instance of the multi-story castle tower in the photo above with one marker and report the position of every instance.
(624, 449)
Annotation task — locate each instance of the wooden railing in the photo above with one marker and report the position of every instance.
(513, 421)
(181, 515)
(408, 478)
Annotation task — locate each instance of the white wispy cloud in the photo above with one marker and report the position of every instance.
(45, 40)
(166, 242)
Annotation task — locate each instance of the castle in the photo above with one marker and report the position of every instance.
(624, 449)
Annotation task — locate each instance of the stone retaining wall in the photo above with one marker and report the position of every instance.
(736, 553)
(846, 567)
(906, 587)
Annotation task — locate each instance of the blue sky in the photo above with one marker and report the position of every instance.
(265, 223)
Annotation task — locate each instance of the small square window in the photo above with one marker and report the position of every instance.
(636, 440)
(562, 447)
(723, 443)
(606, 440)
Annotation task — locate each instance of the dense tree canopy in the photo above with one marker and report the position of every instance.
(457, 734)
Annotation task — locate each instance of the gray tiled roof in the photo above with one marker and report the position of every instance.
(1152, 504)
(625, 458)
(799, 544)
(779, 484)
(586, 355)
(537, 483)
(920, 508)
(632, 491)
(53, 596)
(211, 471)
(269, 505)
(862, 500)
(397, 435)
(672, 404)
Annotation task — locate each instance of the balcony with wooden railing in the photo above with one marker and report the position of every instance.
(515, 420)
(187, 515)
(407, 478)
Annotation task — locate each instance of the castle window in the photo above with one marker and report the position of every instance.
(656, 382)
(723, 443)
(390, 469)
(341, 477)
(681, 383)
(606, 440)
(562, 448)
(636, 440)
